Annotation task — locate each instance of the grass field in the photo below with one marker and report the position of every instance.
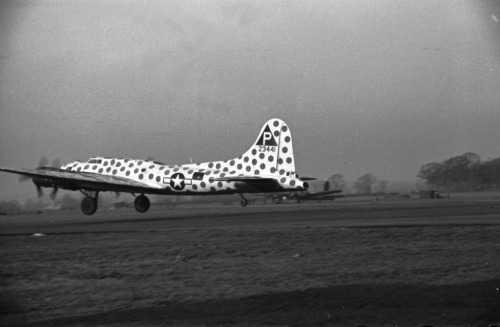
(310, 275)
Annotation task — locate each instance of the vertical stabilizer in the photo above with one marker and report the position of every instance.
(272, 152)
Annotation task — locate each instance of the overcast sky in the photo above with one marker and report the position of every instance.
(365, 86)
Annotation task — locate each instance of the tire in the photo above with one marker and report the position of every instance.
(141, 203)
(88, 206)
(243, 202)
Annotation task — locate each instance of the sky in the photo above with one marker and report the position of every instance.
(365, 86)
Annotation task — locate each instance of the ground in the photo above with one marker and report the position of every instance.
(341, 263)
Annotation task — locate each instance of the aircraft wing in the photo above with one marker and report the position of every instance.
(81, 180)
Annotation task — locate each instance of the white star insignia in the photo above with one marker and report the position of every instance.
(177, 181)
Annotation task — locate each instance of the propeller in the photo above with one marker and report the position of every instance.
(39, 191)
(23, 178)
(56, 163)
(43, 163)
(53, 194)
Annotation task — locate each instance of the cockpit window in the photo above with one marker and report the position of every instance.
(94, 161)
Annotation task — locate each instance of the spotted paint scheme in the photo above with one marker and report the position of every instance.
(268, 166)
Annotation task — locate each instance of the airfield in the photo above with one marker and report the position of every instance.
(348, 262)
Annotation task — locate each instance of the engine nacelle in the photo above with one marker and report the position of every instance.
(42, 182)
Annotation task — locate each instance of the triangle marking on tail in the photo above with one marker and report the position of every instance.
(267, 138)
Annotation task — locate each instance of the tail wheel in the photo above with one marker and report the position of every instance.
(243, 202)
(141, 203)
(89, 205)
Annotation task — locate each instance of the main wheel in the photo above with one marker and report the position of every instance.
(141, 203)
(88, 205)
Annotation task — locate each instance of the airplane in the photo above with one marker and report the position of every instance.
(326, 194)
(305, 196)
(268, 166)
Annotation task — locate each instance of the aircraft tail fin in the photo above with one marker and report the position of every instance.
(272, 151)
(270, 155)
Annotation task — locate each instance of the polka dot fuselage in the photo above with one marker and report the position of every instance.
(268, 166)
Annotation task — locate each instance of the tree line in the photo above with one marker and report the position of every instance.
(466, 172)
(365, 184)
(462, 173)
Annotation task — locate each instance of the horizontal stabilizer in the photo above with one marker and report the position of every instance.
(245, 179)
(252, 184)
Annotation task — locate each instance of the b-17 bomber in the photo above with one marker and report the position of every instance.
(267, 167)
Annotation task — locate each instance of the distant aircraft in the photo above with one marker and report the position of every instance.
(302, 196)
(268, 166)
(307, 196)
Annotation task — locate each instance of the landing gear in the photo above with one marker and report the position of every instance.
(89, 202)
(89, 205)
(141, 203)
(243, 201)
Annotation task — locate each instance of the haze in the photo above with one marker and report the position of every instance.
(365, 86)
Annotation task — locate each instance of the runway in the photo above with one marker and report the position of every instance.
(342, 263)
(326, 214)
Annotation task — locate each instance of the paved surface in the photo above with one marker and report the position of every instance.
(332, 214)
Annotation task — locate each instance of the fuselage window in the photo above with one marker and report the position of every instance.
(198, 176)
